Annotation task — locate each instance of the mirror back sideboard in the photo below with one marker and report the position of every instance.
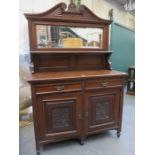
(75, 92)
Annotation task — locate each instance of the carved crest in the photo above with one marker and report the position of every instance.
(72, 12)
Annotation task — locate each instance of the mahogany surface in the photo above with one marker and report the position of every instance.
(68, 75)
(76, 51)
(44, 62)
(75, 92)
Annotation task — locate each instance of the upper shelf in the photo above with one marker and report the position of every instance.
(70, 51)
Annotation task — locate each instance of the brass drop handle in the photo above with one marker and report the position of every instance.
(60, 88)
(104, 84)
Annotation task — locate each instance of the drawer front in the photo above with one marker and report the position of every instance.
(58, 87)
(103, 83)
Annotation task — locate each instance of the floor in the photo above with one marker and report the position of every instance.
(105, 143)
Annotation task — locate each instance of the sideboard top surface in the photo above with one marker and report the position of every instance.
(50, 76)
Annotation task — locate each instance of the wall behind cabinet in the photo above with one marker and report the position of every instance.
(123, 46)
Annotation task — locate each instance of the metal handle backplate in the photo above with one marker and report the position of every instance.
(104, 84)
(60, 88)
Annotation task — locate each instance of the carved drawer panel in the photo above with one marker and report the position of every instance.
(58, 87)
(103, 83)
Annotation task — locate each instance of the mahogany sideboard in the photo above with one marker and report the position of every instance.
(75, 92)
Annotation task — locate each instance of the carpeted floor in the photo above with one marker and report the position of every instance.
(105, 143)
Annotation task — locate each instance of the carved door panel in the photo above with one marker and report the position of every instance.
(59, 115)
(102, 110)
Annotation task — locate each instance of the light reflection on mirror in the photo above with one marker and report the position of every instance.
(68, 37)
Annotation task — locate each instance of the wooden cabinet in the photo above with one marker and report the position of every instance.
(76, 109)
(102, 109)
(60, 115)
(75, 92)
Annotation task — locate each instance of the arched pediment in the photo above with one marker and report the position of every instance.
(72, 13)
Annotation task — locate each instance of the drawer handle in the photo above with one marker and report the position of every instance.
(60, 88)
(104, 84)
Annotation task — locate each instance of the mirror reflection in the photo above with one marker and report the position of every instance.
(68, 37)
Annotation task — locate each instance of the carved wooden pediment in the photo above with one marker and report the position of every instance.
(72, 13)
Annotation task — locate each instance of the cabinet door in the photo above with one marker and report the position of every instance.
(59, 116)
(102, 109)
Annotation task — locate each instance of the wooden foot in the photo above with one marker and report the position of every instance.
(38, 152)
(118, 133)
(82, 141)
(38, 148)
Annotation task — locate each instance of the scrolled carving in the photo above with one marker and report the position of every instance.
(63, 6)
(61, 118)
(72, 7)
(59, 11)
(82, 8)
(102, 110)
(58, 118)
(62, 11)
(109, 65)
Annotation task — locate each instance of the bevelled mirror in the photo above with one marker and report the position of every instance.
(48, 36)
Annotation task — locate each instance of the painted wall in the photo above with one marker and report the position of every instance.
(123, 47)
(102, 7)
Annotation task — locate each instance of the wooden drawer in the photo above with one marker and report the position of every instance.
(58, 87)
(103, 83)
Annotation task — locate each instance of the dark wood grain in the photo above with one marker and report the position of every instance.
(102, 108)
(71, 51)
(71, 75)
(75, 92)
(44, 62)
